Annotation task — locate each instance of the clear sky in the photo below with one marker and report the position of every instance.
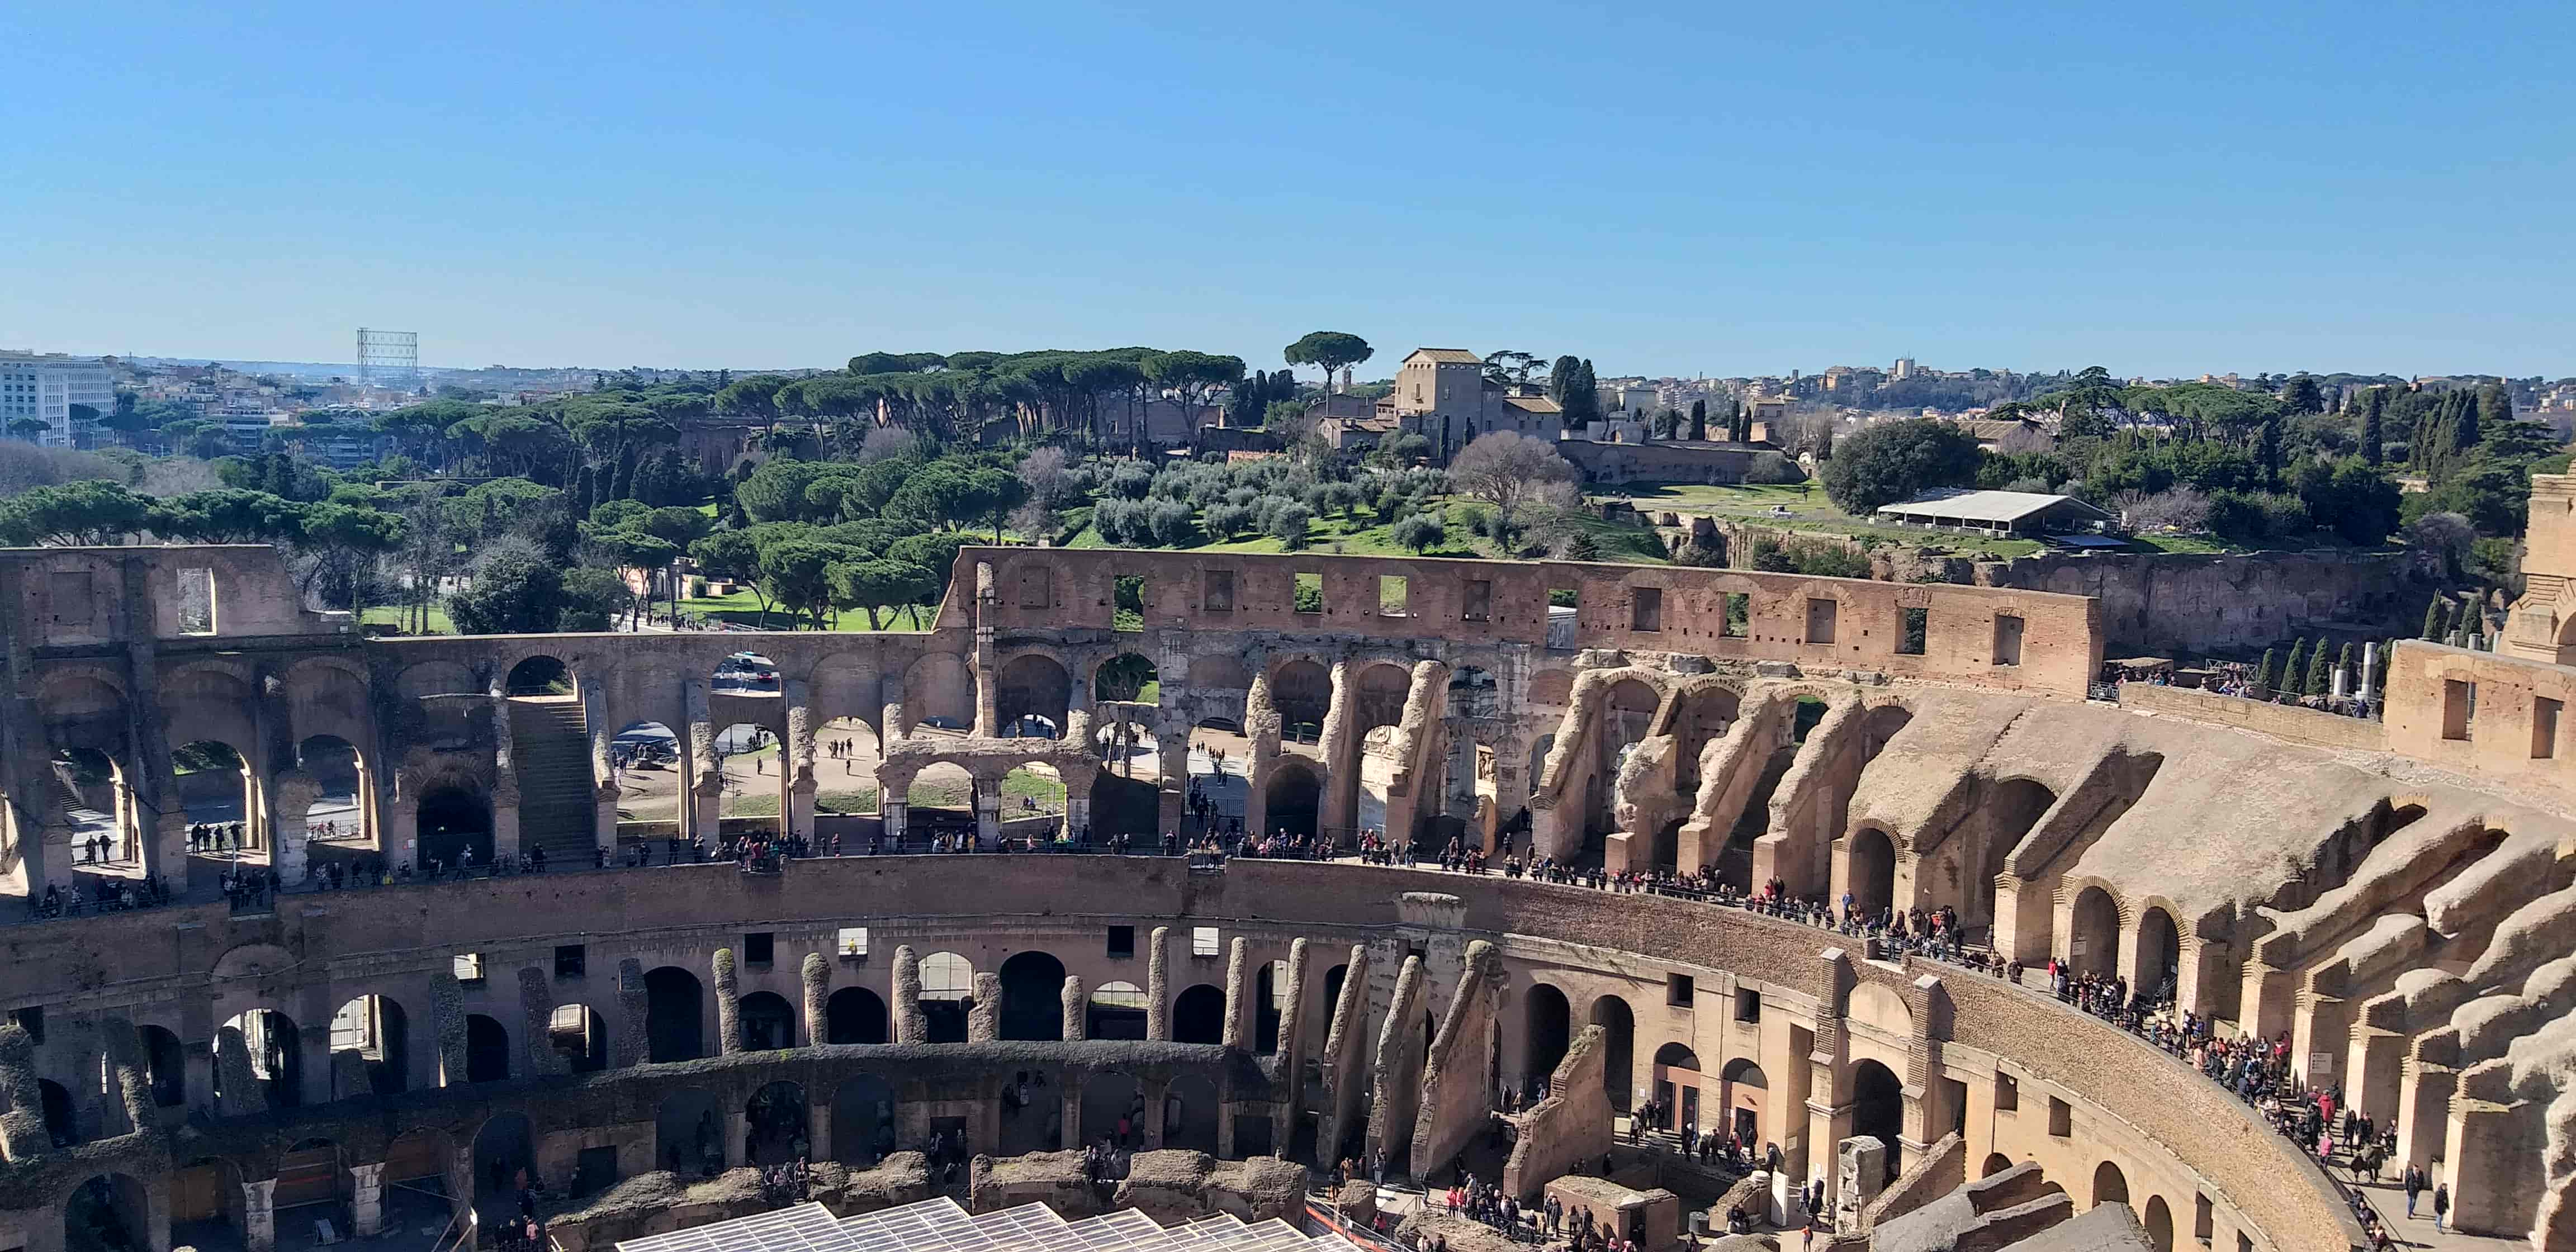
(1700, 187)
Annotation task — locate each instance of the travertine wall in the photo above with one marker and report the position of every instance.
(2285, 721)
(2482, 713)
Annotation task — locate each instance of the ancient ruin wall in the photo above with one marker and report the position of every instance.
(1457, 1087)
(1570, 1126)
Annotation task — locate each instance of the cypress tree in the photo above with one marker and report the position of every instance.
(1742, 421)
(2294, 674)
(2263, 673)
(1699, 419)
(2269, 451)
(2351, 667)
(2373, 436)
(2433, 620)
(2320, 678)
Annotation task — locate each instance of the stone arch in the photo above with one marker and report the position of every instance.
(271, 1040)
(776, 1120)
(206, 1202)
(1618, 1025)
(310, 1172)
(1293, 796)
(1872, 880)
(1701, 712)
(688, 1133)
(1377, 695)
(377, 1032)
(765, 1022)
(339, 812)
(1301, 693)
(2159, 955)
(164, 1065)
(580, 1035)
(1878, 1109)
(108, 1211)
(503, 1146)
(454, 818)
(1881, 1008)
(540, 676)
(215, 782)
(1033, 694)
(487, 1049)
(1117, 1010)
(745, 673)
(1198, 1014)
(2093, 932)
(1127, 678)
(1996, 1163)
(1110, 1099)
(2109, 1184)
(1742, 1090)
(2012, 810)
(947, 995)
(1880, 725)
(938, 691)
(54, 1103)
(674, 1015)
(863, 1120)
(1032, 996)
(1219, 672)
(2158, 1220)
(1190, 1114)
(854, 1015)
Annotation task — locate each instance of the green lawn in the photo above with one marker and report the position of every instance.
(1802, 507)
(742, 608)
(1362, 534)
(1048, 792)
(392, 619)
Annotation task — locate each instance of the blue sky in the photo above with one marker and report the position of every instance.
(1686, 188)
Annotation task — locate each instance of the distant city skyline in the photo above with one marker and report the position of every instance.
(1669, 190)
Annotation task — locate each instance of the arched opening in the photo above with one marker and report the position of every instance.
(1127, 679)
(1996, 1163)
(1117, 1011)
(1549, 1029)
(1269, 1004)
(1033, 801)
(1190, 1114)
(767, 1023)
(580, 1036)
(1618, 1063)
(1878, 1110)
(1032, 695)
(1114, 1106)
(1032, 997)
(1301, 691)
(2109, 1184)
(2159, 1223)
(1333, 991)
(938, 693)
(1198, 1015)
(1700, 716)
(2093, 943)
(309, 1173)
(644, 761)
(947, 995)
(744, 674)
(1220, 775)
(56, 1105)
(751, 761)
(940, 801)
(215, 789)
(487, 1049)
(337, 816)
(775, 1120)
(376, 1031)
(1676, 1087)
(674, 1015)
(688, 1134)
(206, 1202)
(1873, 871)
(862, 1120)
(1292, 797)
(421, 1158)
(165, 1064)
(108, 1213)
(276, 1063)
(2159, 956)
(540, 677)
(454, 820)
(854, 1015)
(504, 1150)
(1032, 1113)
(1743, 1087)
(1879, 726)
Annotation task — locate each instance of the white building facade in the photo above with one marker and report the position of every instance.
(45, 386)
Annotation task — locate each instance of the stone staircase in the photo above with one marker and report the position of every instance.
(550, 747)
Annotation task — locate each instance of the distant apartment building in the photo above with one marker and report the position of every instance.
(43, 387)
(1442, 394)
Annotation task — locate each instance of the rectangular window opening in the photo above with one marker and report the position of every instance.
(1122, 942)
(853, 942)
(1127, 603)
(1564, 612)
(1681, 991)
(469, 967)
(2007, 639)
(1911, 631)
(1220, 592)
(2007, 1093)
(1392, 595)
(1646, 610)
(1748, 1005)
(1203, 941)
(1821, 617)
(572, 960)
(1478, 603)
(759, 948)
(1739, 615)
(2544, 727)
(1309, 593)
(197, 601)
(2459, 708)
(31, 1020)
(2061, 1118)
(2204, 1219)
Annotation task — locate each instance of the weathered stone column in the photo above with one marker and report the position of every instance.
(1397, 1075)
(367, 1200)
(1239, 994)
(505, 778)
(984, 1020)
(1078, 781)
(1172, 764)
(1289, 1066)
(239, 1092)
(536, 1022)
(1077, 1023)
(702, 775)
(296, 791)
(1261, 722)
(728, 1004)
(603, 775)
(1343, 1045)
(259, 1215)
(910, 1025)
(1158, 986)
(447, 1024)
(634, 1015)
(21, 1136)
(816, 973)
(818, 1130)
(1340, 812)
(988, 809)
(796, 760)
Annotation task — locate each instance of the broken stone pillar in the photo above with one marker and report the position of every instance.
(536, 1023)
(633, 1012)
(259, 1215)
(988, 811)
(295, 793)
(728, 1004)
(1860, 1173)
(1457, 1079)
(1343, 1040)
(239, 1092)
(1238, 995)
(1172, 761)
(1396, 1078)
(1340, 812)
(796, 760)
(603, 775)
(367, 1200)
(910, 1026)
(702, 807)
(22, 1128)
(984, 1020)
(1076, 1023)
(1288, 1068)
(816, 974)
(446, 1020)
(1158, 987)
